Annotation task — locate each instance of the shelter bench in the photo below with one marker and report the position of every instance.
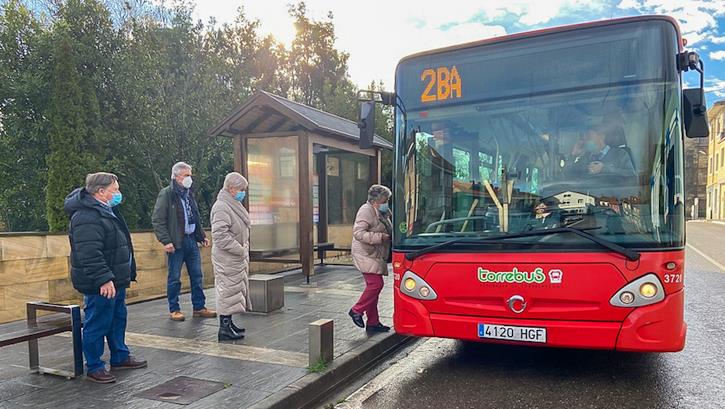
(51, 326)
(274, 255)
(323, 248)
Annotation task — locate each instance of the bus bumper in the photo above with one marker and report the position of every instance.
(658, 328)
(655, 328)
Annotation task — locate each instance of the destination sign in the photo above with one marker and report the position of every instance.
(441, 83)
(536, 67)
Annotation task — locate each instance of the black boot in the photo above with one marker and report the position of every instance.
(226, 333)
(356, 318)
(377, 328)
(234, 327)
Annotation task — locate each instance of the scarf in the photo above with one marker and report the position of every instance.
(186, 199)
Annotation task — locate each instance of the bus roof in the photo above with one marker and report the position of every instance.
(551, 30)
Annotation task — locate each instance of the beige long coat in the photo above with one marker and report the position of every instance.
(369, 249)
(230, 224)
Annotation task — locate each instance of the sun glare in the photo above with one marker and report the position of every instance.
(284, 35)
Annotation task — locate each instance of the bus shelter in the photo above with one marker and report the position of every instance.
(307, 177)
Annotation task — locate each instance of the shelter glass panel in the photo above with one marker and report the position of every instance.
(274, 193)
(347, 186)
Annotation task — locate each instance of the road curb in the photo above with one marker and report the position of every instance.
(314, 386)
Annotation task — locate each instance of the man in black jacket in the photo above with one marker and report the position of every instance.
(102, 268)
(593, 156)
(178, 227)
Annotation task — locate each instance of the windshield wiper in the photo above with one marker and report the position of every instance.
(630, 254)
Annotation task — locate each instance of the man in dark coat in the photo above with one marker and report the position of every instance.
(178, 227)
(594, 156)
(102, 268)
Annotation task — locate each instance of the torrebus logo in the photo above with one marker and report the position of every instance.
(515, 276)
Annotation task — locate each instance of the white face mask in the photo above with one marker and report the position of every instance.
(187, 182)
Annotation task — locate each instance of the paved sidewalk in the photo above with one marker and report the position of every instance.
(720, 222)
(269, 365)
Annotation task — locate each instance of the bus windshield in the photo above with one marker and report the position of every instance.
(575, 129)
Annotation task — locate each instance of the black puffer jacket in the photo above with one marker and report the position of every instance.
(100, 242)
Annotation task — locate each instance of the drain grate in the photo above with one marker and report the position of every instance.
(182, 390)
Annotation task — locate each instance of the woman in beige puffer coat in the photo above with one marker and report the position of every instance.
(370, 249)
(230, 226)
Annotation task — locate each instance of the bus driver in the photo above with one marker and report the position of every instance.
(593, 155)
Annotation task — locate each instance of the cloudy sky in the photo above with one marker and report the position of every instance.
(378, 33)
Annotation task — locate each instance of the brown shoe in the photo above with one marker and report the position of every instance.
(205, 313)
(131, 363)
(101, 376)
(177, 316)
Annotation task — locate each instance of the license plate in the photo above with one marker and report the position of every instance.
(511, 333)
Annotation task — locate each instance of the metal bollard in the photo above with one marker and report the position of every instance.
(321, 341)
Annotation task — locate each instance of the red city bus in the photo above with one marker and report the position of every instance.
(538, 187)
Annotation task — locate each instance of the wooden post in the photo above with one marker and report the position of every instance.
(241, 161)
(322, 197)
(470, 213)
(305, 204)
(238, 152)
(498, 204)
(375, 167)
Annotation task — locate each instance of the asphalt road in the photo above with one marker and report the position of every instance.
(438, 373)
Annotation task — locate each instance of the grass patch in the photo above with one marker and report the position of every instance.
(334, 405)
(318, 366)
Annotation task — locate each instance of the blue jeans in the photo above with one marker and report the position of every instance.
(105, 318)
(189, 254)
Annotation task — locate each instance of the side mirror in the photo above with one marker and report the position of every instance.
(367, 124)
(695, 113)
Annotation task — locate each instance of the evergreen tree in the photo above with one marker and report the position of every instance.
(69, 159)
(24, 84)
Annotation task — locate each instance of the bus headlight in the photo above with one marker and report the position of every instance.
(626, 297)
(409, 284)
(411, 281)
(648, 290)
(643, 291)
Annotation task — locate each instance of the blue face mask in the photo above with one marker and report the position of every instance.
(591, 147)
(384, 208)
(116, 199)
(240, 196)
